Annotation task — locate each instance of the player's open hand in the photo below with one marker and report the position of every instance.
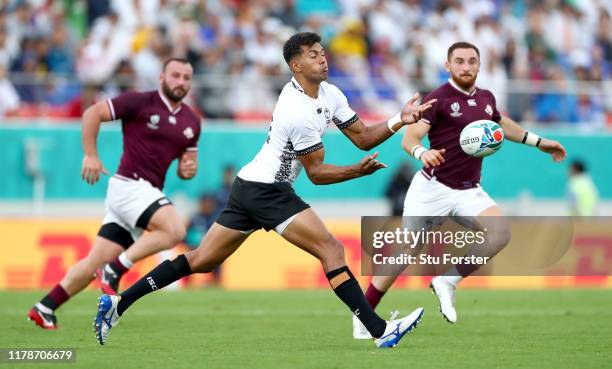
(370, 164)
(433, 157)
(91, 169)
(187, 167)
(554, 148)
(413, 112)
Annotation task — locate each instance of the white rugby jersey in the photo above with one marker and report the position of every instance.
(298, 122)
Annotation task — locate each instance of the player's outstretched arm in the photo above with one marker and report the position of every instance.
(188, 165)
(412, 145)
(92, 118)
(320, 173)
(366, 137)
(514, 132)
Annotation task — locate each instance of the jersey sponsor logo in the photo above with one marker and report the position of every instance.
(455, 110)
(172, 119)
(471, 102)
(153, 122)
(188, 132)
(328, 117)
(489, 110)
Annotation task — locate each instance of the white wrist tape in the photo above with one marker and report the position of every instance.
(531, 139)
(417, 151)
(393, 121)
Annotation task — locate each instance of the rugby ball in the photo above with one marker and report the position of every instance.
(481, 138)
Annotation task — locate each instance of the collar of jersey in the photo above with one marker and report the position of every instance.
(296, 85)
(167, 103)
(452, 83)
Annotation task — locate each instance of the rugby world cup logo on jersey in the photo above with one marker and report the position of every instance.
(153, 122)
(489, 110)
(455, 110)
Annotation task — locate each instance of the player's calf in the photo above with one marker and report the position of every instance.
(347, 288)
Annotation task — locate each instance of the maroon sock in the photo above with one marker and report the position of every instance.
(466, 269)
(117, 267)
(55, 298)
(373, 295)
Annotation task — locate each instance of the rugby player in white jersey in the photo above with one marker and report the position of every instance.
(263, 197)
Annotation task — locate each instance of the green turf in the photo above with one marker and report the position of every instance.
(312, 329)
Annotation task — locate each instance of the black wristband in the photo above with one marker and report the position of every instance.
(525, 137)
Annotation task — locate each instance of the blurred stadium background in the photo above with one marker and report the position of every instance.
(549, 64)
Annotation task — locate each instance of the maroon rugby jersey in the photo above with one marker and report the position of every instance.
(454, 110)
(153, 134)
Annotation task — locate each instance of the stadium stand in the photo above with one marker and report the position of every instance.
(56, 57)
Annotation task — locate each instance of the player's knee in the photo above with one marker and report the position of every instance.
(500, 236)
(200, 263)
(333, 250)
(176, 234)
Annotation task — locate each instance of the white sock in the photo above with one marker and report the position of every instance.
(125, 261)
(452, 276)
(43, 308)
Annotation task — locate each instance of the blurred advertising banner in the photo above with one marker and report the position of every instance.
(36, 253)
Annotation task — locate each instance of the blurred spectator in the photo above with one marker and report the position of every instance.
(200, 223)
(583, 195)
(556, 106)
(397, 187)
(10, 98)
(379, 52)
(122, 79)
(149, 59)
(223, 193)
(77, 106)
(97, 9)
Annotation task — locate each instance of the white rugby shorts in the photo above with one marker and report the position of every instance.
(428, 197)
(127, 199)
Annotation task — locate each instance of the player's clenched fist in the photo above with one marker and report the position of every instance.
(369, 164)
(187, 168)
(433, 157)
(91, 169)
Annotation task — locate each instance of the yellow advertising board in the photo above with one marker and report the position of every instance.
(36, 253)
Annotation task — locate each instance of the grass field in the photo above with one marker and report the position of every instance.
(312, 329)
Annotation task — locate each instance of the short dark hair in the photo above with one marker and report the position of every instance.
(578, 166)
(180, 60)
(461, 45)
(293, 46)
